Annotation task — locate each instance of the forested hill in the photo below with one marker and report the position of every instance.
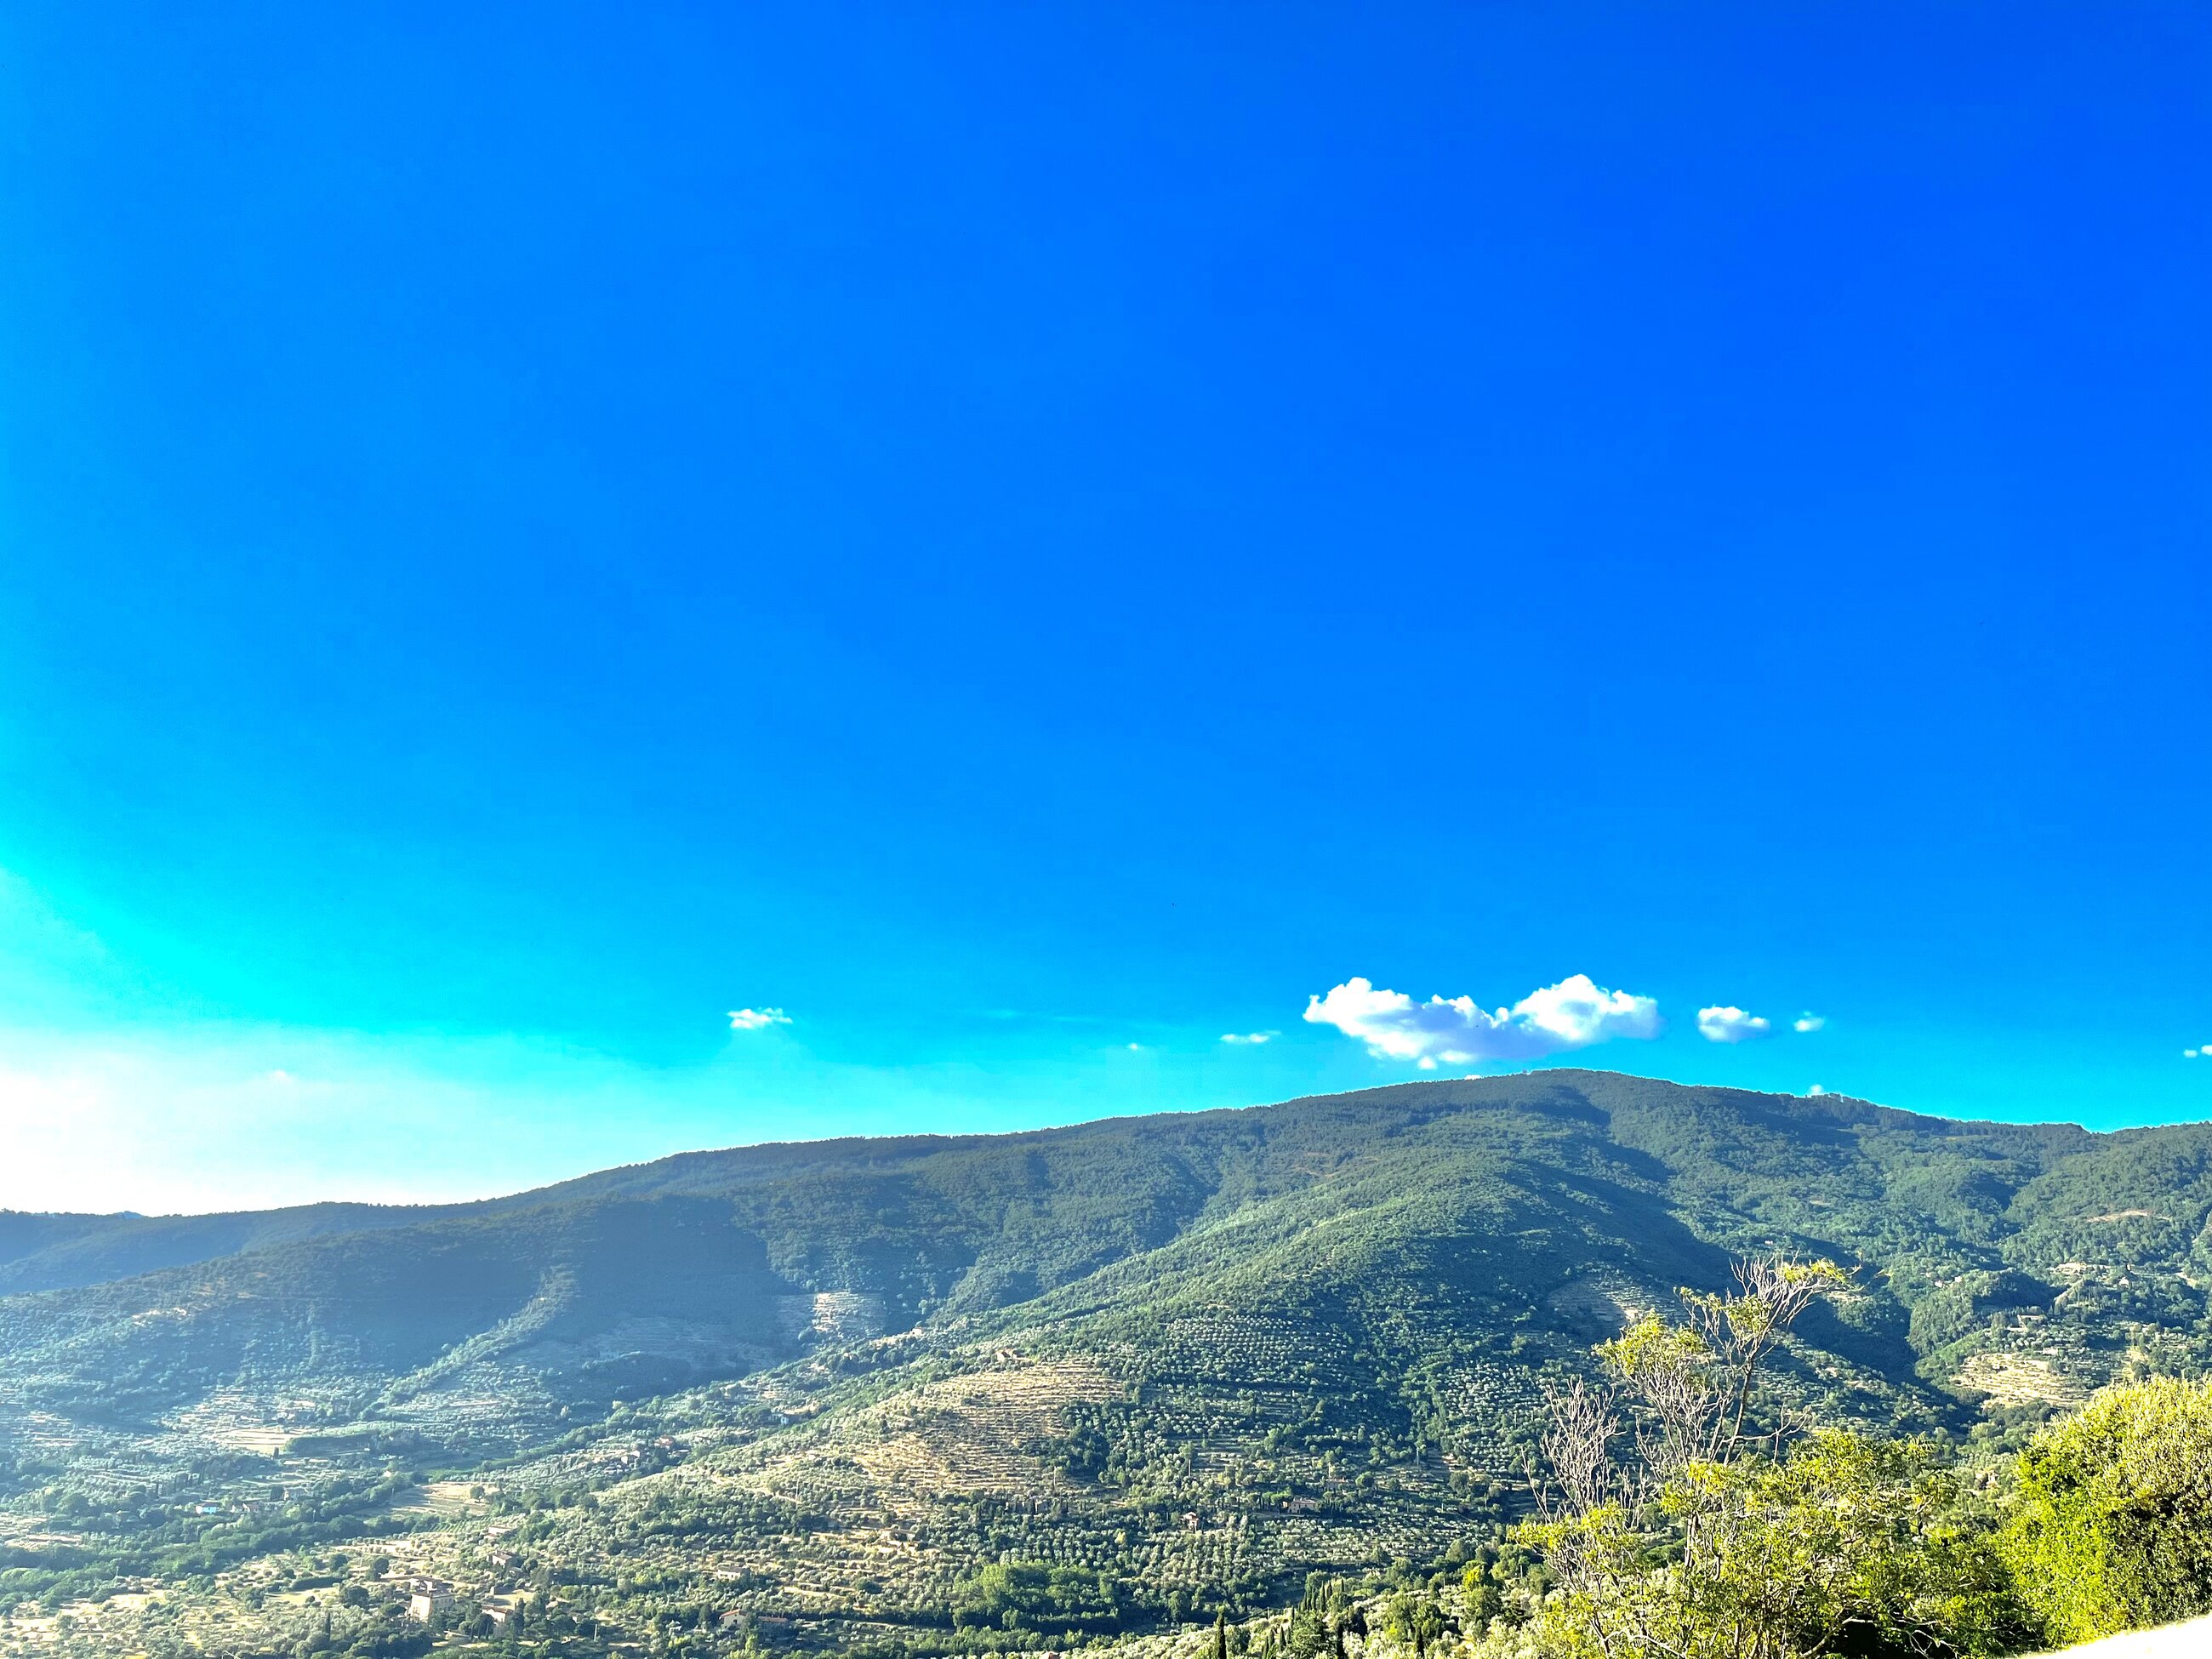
(1220, 1346)
(1569, 1174)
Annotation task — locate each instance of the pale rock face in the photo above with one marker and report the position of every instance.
(830, 1316)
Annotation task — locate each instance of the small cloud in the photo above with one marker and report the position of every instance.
(1807, 1022)
(755, 1019)
(1136, 1048)
(280, 1077)
(1732, 1025)
(2205, 1052)
(1816, 1089)
(1249, 1037)
(1572, 1014)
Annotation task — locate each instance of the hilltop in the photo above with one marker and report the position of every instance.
(1181, 1360)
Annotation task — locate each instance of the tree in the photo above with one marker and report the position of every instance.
(1726, 1531)
(2112, 1525)
(1414, 1621)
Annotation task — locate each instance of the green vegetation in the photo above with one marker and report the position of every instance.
(2112, 1528)
(1284, 1368)
(1723, 1531)
(1019, 1595)
(1685, 1516)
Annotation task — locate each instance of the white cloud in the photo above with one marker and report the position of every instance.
(1572, 1014)
(1249, 1037)
(2195, 1054)
(1816, 1089)
(1725, 1024)
(755, 1019)
(1807, 1022)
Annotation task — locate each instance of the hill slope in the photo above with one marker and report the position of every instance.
(1197, 1354)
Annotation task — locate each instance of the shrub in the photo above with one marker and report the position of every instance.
(2112, 1525)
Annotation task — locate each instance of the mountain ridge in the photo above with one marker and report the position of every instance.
(1199, 1354)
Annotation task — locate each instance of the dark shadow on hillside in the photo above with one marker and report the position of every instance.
(1647, 1233)
(1569, 1104)
(1870, 1331)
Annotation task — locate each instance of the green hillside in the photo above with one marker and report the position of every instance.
(63, 1252)
(1181, 1361)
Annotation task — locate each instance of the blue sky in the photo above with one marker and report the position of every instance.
(1029, 539)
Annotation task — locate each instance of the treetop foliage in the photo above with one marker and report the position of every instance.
(1668, 1528)
(2112, 1527)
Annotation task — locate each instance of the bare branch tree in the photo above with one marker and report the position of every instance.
(1577, 1441)
(1683, 1393)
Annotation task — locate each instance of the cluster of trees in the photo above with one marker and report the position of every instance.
(174, 1543)
(1684, 1516)
(1016, 1595)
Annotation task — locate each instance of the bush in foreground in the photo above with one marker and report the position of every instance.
(2111, 1527)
